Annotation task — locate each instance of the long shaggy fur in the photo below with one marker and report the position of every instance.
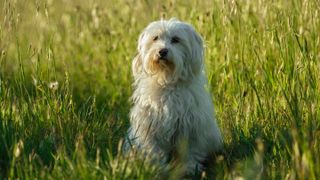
(171, 107)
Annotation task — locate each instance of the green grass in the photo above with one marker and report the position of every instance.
(262, 62)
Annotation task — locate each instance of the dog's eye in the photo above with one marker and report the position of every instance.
(155, 38)
(175, 39)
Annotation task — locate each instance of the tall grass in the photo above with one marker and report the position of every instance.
(65, 82)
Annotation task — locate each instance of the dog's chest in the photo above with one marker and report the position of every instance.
(170, 116)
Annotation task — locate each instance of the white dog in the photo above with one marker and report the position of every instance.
(171, 107)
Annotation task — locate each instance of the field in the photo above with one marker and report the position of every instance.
(65, 83)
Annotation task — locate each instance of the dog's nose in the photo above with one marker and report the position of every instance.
(163, 52)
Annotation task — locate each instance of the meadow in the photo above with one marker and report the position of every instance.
(65, 84)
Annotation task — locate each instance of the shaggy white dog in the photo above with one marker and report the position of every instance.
(172, 114)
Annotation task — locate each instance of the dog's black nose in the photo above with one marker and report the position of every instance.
(163, 53)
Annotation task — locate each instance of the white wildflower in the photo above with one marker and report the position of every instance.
(54, 85)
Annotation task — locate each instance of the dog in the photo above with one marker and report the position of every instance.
(172, 115)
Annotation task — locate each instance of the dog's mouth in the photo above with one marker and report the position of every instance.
(163, 59)
(162, 65)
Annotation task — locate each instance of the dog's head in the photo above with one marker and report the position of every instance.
(169, 50)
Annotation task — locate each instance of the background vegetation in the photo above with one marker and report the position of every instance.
(65, 81)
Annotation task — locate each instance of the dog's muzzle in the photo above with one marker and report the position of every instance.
(163, 54)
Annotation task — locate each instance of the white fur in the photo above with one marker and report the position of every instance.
(170, 103)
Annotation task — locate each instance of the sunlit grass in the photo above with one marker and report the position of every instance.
(65, 83)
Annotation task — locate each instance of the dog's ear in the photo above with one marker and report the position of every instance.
(137, 60)
(197, 52)
(137, 65)
(196, 49)
(140, 41)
